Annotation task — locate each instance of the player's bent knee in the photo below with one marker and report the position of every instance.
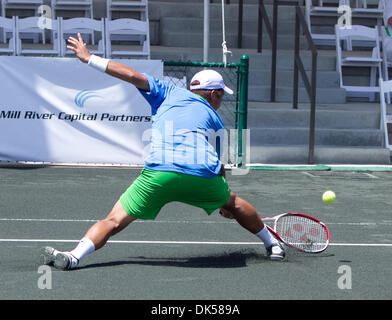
(226, 214)
(231, 202)
(229, 207)
(117, 219)
(111, 223)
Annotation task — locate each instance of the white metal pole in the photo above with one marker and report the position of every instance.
(206, 38)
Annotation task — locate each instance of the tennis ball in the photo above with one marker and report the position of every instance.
(329, 196)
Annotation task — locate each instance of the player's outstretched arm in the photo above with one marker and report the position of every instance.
(112, 68)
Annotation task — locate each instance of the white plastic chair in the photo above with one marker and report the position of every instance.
(369, 9)
(73, 5)
(330, 8)
(325, 4)
(83, 26)
(324, 9)
(385, 89)
(127, 6)
(85, 6)
(21, 5)
(31, 25)
(8, 25)
(369, 4)
(358, 58)
(136, 38)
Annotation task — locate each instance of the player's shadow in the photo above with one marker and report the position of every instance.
(229, 260)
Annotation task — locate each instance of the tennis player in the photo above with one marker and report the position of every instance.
(169, 173)
(387, 37)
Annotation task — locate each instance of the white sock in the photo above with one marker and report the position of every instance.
(85, 247)
(267, 237)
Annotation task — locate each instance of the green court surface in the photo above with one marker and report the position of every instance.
(186, 255)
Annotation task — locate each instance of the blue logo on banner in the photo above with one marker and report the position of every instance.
(82, 96)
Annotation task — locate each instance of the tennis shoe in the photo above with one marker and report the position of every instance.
(65, 261)
(276, 252)
(47, 256)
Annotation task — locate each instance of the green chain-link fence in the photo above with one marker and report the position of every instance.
(234, 107)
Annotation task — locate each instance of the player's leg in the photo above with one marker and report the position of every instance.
(115, 221)
(246, 215)
(95, 238)
(142, 200)
(213, 193)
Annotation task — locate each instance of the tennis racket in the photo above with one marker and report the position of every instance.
(299, 231)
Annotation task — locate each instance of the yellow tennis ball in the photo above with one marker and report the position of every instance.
(329, 196)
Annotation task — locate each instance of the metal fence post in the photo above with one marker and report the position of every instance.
(243, 107)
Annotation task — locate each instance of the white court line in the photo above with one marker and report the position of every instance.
(387, 223)
(46, 220)
(193, 242)
(90, 220)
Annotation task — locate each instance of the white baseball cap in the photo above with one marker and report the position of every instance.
(209, 80)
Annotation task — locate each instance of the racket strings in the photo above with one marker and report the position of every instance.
(303, 233)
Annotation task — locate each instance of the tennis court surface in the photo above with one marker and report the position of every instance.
(185, 254)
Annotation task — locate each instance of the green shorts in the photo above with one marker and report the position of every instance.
(153, 189)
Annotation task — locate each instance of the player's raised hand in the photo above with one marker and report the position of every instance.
(79, 47)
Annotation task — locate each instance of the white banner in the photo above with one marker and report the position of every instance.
(63, 111)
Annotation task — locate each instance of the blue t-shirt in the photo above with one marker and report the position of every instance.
(185, 129)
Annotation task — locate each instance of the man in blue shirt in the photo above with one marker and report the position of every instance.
(182, 164)
(181, 122)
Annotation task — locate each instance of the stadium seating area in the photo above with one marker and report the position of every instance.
(358, 43)
(351, 62)
(39, 27)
